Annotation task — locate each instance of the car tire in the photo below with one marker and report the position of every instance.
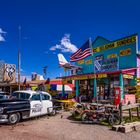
(53, 113)
(14, 118)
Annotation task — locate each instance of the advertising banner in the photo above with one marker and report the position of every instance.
(104, 65)
(10, 73)
(1, 70)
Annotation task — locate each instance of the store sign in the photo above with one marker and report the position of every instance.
(125, 52)
(101, 75)
(10, 73)
(109, 64)
(88, 62)
(1, 71)
(112, 56)
(81, 77)
(126, 41)
(128, 76)
(80, 62)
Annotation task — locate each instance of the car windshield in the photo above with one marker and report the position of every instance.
(20, 95)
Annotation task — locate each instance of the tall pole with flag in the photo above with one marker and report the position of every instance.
(95, 80)
(19, 59)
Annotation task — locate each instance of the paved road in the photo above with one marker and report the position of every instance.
(61, 128)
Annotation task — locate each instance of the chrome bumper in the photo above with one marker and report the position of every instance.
(3, 118)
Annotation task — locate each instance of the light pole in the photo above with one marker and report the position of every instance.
(19, 59)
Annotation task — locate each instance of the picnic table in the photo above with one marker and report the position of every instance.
(129, 108)
(104, 105)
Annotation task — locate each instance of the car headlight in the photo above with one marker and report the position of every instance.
(1, 109)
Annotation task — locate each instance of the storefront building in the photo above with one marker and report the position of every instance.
(112, 65)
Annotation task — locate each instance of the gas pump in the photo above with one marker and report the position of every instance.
(117, 96)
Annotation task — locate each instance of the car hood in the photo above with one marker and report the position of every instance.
(13, 101)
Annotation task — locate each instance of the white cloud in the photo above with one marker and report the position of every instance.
(53, 48)
(1, 35)
(1, 38)
(1, 31)
(65, 45)
(48, 53)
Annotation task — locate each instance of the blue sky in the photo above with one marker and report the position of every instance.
(49, 23)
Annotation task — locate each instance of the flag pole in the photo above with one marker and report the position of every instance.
(19, 59)
(95, 80)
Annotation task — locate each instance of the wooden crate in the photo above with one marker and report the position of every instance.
(128, 127)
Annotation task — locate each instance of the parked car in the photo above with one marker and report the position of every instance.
(4, 95)
(25, 104)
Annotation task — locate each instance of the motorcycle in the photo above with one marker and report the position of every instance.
(101, 114)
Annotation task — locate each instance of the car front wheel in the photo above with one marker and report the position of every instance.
(14, 118)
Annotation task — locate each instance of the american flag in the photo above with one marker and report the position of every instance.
(82, 53)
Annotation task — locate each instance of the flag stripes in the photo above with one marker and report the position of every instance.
(82, 53)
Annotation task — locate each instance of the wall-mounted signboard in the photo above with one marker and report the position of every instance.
(125, 52)
(122, 42)
(1, 70)
(9, 73)
(103, 65)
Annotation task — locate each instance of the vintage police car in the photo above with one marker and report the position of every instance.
(25, 104)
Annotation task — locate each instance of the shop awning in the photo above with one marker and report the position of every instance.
(67, 88)
(130, 71)
(59, 87)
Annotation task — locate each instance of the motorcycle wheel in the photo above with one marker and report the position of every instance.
(85, 117)
(113, 119)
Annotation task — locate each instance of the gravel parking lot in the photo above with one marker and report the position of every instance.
(60, 127)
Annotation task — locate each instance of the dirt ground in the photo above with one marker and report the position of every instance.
(60, 127)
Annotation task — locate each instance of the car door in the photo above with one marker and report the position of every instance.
(46, 104)
(36, 105)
